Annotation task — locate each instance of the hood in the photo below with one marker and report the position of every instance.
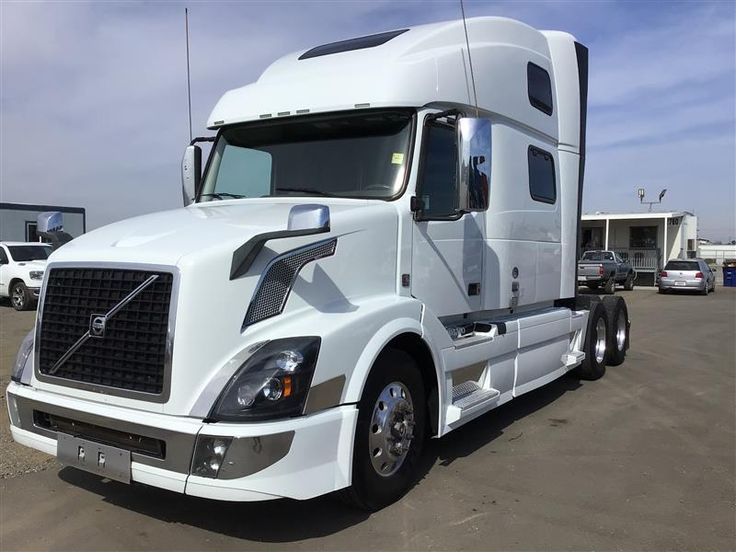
(209, 307)
(173, 237)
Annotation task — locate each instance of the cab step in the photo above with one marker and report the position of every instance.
(573, 358)
(470, 399)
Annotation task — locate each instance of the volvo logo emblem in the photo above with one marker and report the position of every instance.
(97, 324)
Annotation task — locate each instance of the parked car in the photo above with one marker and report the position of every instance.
(605, 268)
(21, 272)
(687, 274)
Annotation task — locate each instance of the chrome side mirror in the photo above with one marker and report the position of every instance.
(474, 163)
(308, 217)
(191, 173)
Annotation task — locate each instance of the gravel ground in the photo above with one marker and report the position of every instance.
(15, 459)
(642, 459)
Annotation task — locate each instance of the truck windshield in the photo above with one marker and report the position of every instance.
(21, 253)
(355, 155)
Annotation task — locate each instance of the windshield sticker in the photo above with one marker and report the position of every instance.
(397, 159)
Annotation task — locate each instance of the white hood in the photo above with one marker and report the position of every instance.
(199, 241)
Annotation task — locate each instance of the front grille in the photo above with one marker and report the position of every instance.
(131, 354)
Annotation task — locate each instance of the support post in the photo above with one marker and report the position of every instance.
(606, 240)
(665, 254)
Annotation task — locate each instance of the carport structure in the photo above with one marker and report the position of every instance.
(646, 240)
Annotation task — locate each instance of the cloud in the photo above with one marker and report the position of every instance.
(93, 99)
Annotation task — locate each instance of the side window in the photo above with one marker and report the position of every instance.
(3, 256)
(539, 87)
(542, 184)
(438, 180)
(245, 172)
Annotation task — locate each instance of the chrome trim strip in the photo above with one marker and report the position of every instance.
(206, 400)
(69, 352)
(249, 455)
(104, 389)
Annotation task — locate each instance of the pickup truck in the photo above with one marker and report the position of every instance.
(21, 272)
(605, 269)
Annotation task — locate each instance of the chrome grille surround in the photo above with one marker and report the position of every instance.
(272, 290)
(160, 393)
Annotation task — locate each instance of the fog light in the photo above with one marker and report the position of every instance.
(209, 455)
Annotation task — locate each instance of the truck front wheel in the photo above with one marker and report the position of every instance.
(20, 297)
(389, 434)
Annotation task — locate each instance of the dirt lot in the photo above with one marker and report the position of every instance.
(642, 459)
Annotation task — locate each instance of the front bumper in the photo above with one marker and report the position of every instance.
(35, 292)
(297, 458)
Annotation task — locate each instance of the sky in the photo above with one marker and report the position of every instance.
(93, 102)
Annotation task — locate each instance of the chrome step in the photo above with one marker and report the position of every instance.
(469, 394)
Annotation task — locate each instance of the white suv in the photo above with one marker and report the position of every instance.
(21, 272)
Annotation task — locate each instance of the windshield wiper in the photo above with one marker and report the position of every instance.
(220, 195)
(306, 191)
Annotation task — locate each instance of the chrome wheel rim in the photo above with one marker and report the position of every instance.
(392, 429)
(17, 297)
(620, 330)
(600, 340)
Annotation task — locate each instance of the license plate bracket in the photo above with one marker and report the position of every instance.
(104, 460)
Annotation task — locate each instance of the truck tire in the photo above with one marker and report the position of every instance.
(619, 327)
(629, 282)
(389, 434)
(610, 286)
(596, 343)
(20, 297)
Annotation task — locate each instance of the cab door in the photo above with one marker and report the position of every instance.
(447, 255)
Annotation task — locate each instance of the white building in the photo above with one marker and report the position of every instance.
(18, 221)
(646, 240)
(716, 253)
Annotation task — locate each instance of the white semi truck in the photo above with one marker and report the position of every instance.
(381, 247)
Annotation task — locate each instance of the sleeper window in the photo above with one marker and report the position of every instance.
(542, 185)
(539, 88)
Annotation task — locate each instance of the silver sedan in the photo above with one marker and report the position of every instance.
(687, 274)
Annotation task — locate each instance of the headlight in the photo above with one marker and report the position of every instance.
(36, 274)
(26, 348)
(273, 383)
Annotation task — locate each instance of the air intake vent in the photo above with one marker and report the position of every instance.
(278, 279)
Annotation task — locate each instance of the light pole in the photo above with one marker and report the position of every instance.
(641, 193)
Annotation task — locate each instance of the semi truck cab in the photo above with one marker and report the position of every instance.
(380, 247)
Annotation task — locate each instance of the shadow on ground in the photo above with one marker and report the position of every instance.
(264, 521)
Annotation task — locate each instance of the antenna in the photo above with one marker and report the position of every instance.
(470, 60)
(189, 81)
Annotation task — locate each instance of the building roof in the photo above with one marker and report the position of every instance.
(33, 207)
(635, 216)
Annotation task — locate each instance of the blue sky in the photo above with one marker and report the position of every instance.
(93, 98)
